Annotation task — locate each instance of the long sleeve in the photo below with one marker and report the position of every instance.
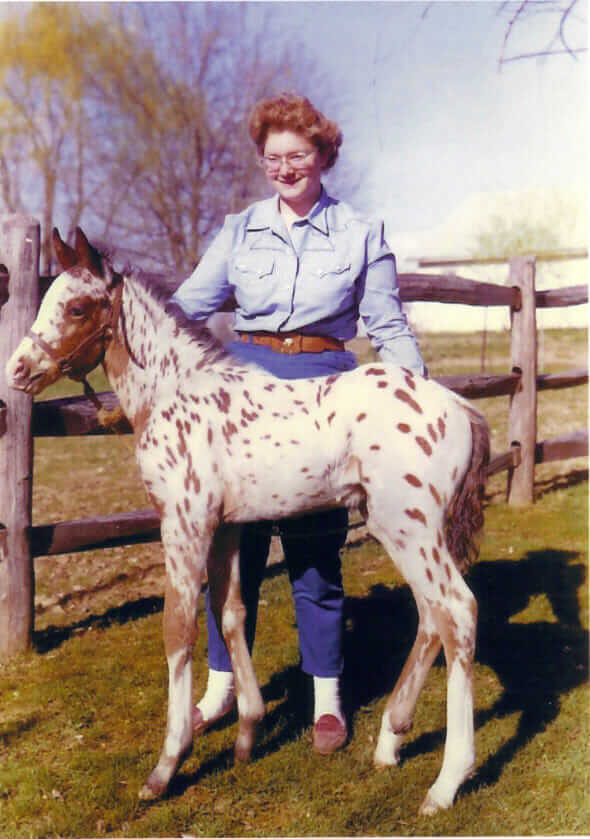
(207, 288)
(380, 307)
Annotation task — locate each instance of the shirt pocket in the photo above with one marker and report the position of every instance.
(328, 280)
(254, 278)
(250, 268)
(326, 268)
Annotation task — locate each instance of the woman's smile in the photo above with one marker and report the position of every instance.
(297, 181)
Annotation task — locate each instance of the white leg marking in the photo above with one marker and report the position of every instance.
(388, 744)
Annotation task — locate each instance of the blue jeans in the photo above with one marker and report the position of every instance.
(311, 545)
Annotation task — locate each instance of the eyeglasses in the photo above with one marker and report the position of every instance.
(271, 163)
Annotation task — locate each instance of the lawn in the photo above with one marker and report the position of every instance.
(83, 716)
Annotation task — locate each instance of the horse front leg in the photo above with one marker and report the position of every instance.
(230, 614)
(183, 586)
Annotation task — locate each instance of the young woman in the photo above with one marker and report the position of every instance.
(303, 267)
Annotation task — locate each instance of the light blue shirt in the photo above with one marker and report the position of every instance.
(331, 268)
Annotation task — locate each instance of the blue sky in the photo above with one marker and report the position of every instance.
(428, 116)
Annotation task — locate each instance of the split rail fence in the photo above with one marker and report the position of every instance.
(21, 419)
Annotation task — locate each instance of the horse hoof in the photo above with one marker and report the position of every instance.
(379, 764)
(243, 753)
(152, 789)
(385, 758)
(146, 793)
(430, 806)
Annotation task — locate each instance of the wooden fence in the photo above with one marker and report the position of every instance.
(21, 419)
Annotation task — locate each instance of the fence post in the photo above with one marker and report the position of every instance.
(522, 422)
(19, 252)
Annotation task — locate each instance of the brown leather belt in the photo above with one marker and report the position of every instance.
(291, 343)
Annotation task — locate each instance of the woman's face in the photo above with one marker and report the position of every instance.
(293, 167)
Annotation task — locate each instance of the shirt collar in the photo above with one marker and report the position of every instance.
(266, 214)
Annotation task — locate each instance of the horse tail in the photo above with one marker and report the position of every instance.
(464, 516)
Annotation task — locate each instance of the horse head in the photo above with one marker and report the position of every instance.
(75, 321)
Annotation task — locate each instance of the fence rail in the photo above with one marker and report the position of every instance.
(21, 420)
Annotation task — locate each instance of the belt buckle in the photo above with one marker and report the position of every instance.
(289, 345)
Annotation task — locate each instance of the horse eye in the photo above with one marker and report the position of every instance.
(76, 311)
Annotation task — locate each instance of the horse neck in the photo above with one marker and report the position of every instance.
(149, 346)
(130, 357)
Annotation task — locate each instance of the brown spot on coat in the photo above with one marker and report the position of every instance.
(405, 397)
(413, 480)
(222, 400)
(416, 514)
(424, 445)
(435, 494)
(228, 430)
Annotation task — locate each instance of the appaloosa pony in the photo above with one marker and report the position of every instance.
(220, 443)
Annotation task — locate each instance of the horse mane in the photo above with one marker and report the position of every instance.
(160, 288)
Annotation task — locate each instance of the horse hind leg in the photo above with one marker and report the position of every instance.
(448, 615)
(399, 713)
(230, 614)
(456, 619)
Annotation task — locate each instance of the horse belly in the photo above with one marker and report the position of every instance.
(272, 488)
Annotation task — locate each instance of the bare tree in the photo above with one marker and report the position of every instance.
(43, 116)
(567, 28)
(176, 93)
(130, 118)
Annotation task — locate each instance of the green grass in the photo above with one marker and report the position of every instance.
(82, 717)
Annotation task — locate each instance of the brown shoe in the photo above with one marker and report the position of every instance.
(329, 735)
(200, 724)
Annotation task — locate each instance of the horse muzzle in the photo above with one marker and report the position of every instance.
(26, 372)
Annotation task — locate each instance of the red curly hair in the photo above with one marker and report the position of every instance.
(291, 112)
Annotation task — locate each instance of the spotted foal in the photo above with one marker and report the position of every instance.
(220, 443)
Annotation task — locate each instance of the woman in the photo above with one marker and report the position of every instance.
(302, 268)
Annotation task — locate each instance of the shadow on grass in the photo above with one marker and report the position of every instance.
(51, 637)
(537, 663)
(54, 636)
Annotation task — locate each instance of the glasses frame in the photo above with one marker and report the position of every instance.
(295, 160)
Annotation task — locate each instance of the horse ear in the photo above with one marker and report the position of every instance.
(66, 255)
(88, 256)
